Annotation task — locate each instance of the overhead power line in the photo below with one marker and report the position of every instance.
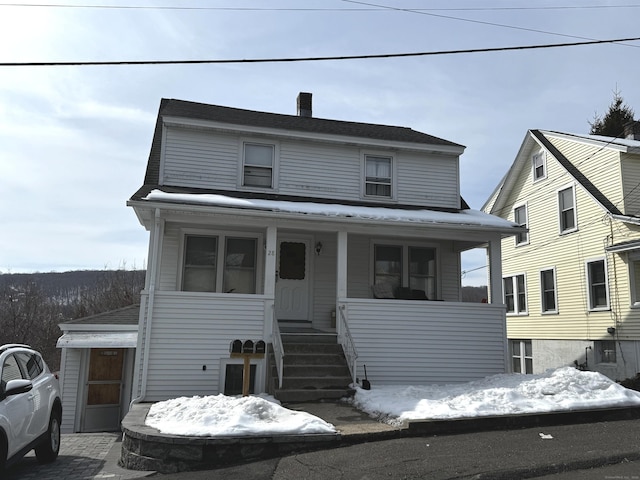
(315, 59)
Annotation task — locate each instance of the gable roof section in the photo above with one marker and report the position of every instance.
(496, 200)
(251, 118)
(121, 316)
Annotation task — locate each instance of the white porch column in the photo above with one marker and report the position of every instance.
(494, 261)
(271, 249)
(341, 267)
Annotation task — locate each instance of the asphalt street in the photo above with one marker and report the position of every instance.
(595, 451)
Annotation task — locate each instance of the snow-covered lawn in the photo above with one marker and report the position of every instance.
(557, 390)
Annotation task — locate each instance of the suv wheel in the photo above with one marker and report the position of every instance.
(48, 450)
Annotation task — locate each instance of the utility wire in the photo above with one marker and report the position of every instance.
(316, 59)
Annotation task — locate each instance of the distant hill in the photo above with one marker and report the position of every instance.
(474, 294)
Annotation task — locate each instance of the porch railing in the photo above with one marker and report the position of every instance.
(278, 351)
(346, 340)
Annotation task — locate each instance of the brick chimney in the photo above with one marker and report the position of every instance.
(632, 130)
(304, 105)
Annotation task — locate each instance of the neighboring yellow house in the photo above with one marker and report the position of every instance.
(572, 283)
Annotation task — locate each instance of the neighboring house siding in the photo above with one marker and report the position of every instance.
(71, 368)
(600, 165)
(567, 253)
(630, 165)
(428, 347)
(207, 159)
(189, 332)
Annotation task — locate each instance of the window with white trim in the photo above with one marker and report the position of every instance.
(548, 291)
(378, 173)
(634, 278)
(521, 356)
(539, 166)
(520, 217)
(515, 295)
(598, 293)
(409, 270)
(605, 351)
(202, 271)
(258, 165)
(567, 210)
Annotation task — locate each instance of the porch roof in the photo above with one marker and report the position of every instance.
(98, 340)
(462, 218)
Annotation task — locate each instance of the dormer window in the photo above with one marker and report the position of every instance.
(258, 165)
(539, 166)
(378, 171)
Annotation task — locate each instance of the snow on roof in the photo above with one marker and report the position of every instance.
(463, 217)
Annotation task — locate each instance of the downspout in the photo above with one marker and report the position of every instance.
(153, 265)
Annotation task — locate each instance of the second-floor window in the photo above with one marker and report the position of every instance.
(567, 210)
(597, 290)
(203, 271)
(258, 162)
(515, 295)
(378, 176)
(520, 217)
(548, 290)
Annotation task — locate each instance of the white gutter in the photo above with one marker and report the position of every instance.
(153, 265)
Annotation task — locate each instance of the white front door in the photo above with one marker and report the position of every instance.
(293, 279)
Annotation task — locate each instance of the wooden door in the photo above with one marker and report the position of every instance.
(104, 390)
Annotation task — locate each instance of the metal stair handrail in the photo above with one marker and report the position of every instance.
(346, 341)
(278, 351)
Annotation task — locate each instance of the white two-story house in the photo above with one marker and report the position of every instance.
(262, 225)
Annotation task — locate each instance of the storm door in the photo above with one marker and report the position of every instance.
(292, 280)
(104, 390)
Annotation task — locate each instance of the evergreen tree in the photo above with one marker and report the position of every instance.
(612, 124)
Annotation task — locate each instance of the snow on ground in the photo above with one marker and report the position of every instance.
(557, 390)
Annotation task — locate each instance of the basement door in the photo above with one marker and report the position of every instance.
(104, 390)
(293, 280)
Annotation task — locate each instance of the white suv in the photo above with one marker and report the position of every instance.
(30, 406)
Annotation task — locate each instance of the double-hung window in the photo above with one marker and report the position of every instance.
(634, 277)
(204, 271)
(605, 351)
(539, 166)
(515, 295)
(378, 172)
(598, 294)
(548, 291)
(406, 266)
(567, 210)
(258, 165)
(520, 217)
(521, 356)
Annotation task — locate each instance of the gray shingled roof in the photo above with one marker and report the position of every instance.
(250, 118)
(122, 316)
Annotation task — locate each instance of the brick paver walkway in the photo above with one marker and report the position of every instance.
(82, 456)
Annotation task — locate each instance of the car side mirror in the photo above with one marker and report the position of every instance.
(16, 387)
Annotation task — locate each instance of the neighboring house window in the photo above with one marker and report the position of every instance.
(605, 351)
(597, 285)
(634, 277)
(521, 356)
(520, 217)
(411, 269)
(548, 291)
(203, 272)
(258, 160)
(539, 166)
(567, 210)
(515, 296)
(378, 176)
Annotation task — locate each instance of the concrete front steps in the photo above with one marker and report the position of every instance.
(315, 369)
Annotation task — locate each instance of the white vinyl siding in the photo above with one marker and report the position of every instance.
(191, 334)
(211, 159)
(404, 342)
(71, 401)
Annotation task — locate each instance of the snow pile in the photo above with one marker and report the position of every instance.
(556, 390)
(221, 415)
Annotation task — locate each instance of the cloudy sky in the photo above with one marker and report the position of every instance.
(74, 140)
